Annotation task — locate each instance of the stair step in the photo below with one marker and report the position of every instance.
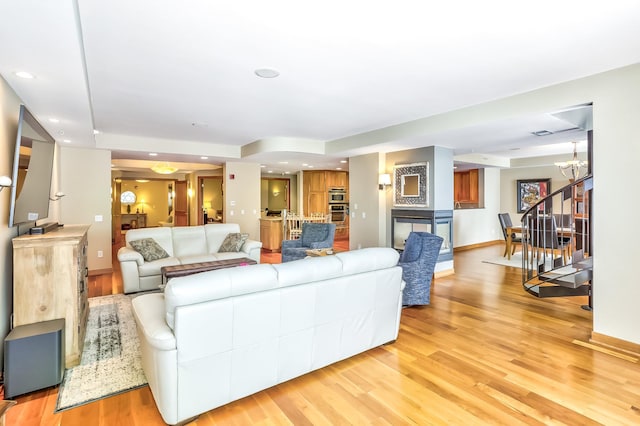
(572, 280)
(558, 291)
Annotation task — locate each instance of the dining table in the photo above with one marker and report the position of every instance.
(514, 229)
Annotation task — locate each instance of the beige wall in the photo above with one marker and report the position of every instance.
(85, 178)
(242, 197)
(367, 204)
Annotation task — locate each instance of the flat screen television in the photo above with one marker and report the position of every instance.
(32, 171)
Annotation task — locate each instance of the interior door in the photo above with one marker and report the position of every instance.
(181, 208)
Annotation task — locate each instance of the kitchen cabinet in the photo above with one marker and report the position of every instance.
(337, 179)
(315, 193)
(465, 186)
(271, 233)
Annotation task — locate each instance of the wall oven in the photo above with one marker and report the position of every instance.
(338, 213)
(337, 196)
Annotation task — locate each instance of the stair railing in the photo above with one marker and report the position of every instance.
(556, 242)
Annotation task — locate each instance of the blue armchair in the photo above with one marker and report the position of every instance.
(418, 261)
(313, 236)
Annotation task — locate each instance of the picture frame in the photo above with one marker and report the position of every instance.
(530, 191)
(411, 185)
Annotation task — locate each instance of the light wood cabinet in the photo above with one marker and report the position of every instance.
(50, 282)
(271, 234)
(337, 179)
(315, 193)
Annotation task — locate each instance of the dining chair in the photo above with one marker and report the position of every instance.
(294, 228)
(544, 236)
(505, 222)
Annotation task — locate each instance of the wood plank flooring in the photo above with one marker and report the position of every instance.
(483, 352)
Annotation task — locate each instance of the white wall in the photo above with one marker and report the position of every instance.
(242, 197)
(473, 226)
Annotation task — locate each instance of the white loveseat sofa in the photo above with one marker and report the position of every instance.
(183, 244)
(218, 336)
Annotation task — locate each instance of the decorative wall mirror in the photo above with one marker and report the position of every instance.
(411, 185)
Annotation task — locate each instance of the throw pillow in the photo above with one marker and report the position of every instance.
(233, 242)
(149, 249)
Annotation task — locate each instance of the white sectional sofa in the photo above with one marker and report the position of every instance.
(218, 336)
(183, 244)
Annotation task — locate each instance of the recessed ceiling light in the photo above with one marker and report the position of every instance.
(262, 166)
(267, 72)
(54, 120)
(24, 74)
(310, 166)
(66, 140)
(287, 173)
(269, 171)
(204, 158)
(283, 162)
(153, 154)
(343, 161)
(305, 164)
(338, 168)
(96, 132)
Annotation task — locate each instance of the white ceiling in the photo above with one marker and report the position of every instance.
(178, 78)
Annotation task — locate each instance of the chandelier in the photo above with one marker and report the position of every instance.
(164, 168)
(573, 168)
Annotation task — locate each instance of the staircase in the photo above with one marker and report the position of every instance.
(556, 243)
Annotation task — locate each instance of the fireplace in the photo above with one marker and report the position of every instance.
(439, 222)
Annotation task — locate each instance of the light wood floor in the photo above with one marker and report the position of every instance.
(483, 352)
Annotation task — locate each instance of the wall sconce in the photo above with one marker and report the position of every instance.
(384, 180)
(58, 195)
(5, 182)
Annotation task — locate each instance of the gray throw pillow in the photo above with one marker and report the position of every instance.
(233, 242)
(149, 249)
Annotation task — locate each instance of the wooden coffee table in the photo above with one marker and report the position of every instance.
(193, 268)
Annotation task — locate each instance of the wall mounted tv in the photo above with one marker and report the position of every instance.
(32, 171)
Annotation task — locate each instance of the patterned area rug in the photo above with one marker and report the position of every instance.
(110, 362)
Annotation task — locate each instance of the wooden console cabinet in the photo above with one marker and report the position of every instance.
(50, 282)
(271, 233)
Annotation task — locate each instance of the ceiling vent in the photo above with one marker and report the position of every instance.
(542, 133)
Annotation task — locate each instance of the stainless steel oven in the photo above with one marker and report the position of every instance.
(337, 196)
(338, 213)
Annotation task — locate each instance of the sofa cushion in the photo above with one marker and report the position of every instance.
(188, 241)
(233, 242)
(150, 269)
(216, 233)
(149, 249)
(161, 235)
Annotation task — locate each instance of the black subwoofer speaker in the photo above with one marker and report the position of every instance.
(33, 357)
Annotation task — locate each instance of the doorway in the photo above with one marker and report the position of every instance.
(210, 199)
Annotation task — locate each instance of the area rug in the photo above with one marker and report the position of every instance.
(515, 261)
(110, 362)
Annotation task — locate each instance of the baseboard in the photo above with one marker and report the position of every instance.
(444, 273)
(95, 272)
(615, 343)
(477, 245)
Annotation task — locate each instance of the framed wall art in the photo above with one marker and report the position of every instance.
(411, 185)
(530, 191)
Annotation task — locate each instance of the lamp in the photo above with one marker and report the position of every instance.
(205, 210)
(164, 168)
(571, 169)
(5, 181)
(384, 180)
